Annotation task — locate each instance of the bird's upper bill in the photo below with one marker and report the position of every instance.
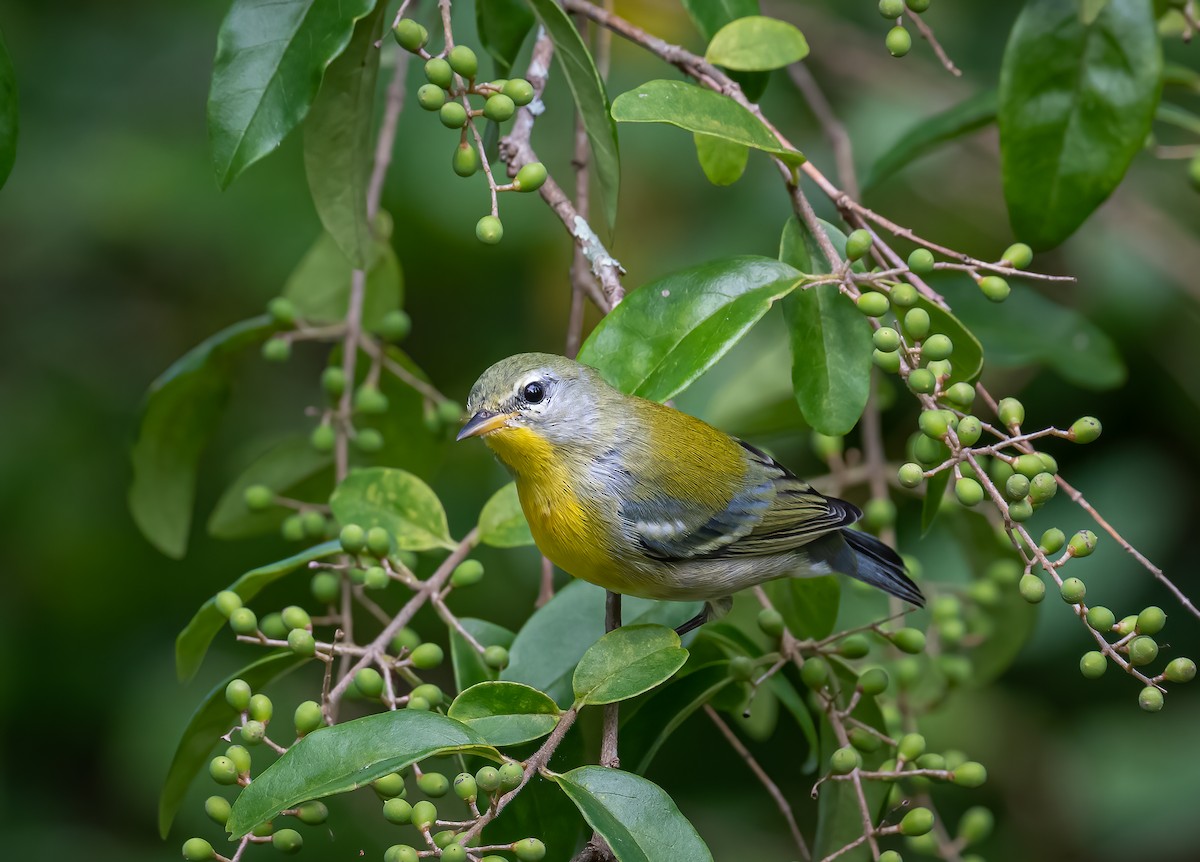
(483, 422)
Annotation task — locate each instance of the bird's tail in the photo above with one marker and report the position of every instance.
(878, 565)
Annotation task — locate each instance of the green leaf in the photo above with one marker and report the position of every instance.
(722, 162)
(809, 605)
(338, 145)
(397, 501)
(935, 495)
(9, 116)
(626, 662)
(469, 668)
(709, 16)
(505, 713)
(800, 249)
(831, 357)
(271, 56)
(503, 26)
(839, 817)
(347, 756)
(502, 523)
(552, 641)
(639, 821)
(211, 720)
(644, 731)
(179, 415)
(929, 133)
(319, 286)
(1027, 328)
(757, 44)
(701, 111)
(669, 332)
(591, 100)
(1077, 98)
(192, 643)
(288, 464)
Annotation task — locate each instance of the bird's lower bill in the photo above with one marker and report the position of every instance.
(483, 422)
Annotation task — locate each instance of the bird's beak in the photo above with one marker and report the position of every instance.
(483, 422)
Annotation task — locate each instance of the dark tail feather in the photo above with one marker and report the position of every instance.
(880, 566)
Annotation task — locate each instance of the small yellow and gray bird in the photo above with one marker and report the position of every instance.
(647, 501)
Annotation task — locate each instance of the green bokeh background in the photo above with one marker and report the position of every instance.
(118, 253)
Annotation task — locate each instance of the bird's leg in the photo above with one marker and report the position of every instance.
(694, 623)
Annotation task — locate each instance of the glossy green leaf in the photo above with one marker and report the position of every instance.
(271, 56)
(1077, 96)
(644, 731)
(179, 415)
(505, 713)
(929, 133)
(9, 116)
(639, 821)
(626, 662)
(809, 605)
(591, 100)
(347, 756)
(935, 496)
(709, 16)
(282, 468)
(667, 333)
(757, 44)
(700, 111)
(1027, 328)
(469, 668)
(211, 720)
(800, 249)
(319, 286)
(397, 501)
(503, 26)
(192, 643)
(502, 523)
(839, 816)
(338, 144)
(552, 641)
(723, 162)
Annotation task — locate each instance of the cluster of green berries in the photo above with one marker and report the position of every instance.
(308, 523)
(974, 827)
(451, 82)
(292, 624)
(899, 41)
(395, 325)
(1136, 642)
(489, 782)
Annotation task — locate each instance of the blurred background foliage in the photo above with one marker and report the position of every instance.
(118, 253)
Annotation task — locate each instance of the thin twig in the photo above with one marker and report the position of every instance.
(927, 34)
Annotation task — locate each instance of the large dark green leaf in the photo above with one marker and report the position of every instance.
(552, 641)
(288, 464)
(502, 523)
(638, 820)
(396, 500)
(626, 662)
(591, 100)
(9, 117)
(338, 146)
(929, 133)
(723, 162)
(644, 730)
(192, 643)
(469, 667)
(709, 16)
(211, 720)
(319, 286)
(698, 110)
(809, 605)
(670, 331)
(503, 26)
(179, 415)
(271, 56)
(350, 755)
(1078, 87)
(757, 43)
(505, 713)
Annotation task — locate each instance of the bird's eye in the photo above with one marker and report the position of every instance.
(533, 392)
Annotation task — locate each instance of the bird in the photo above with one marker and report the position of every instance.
(645, 500)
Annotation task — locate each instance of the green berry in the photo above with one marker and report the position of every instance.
(909, 640)
(770, 622)
(1005, 572)
(1022, 510)
(1073, 591)
(1082, 543)
(243, 621)
(1042, 487)
(890, 856)
(430, 96)
(969, 492)
(197, 850)
(1093, 664)
(237, 695)
(530, 178)
(994, 288)
(326, 587)
(921, 380)
(401, 853)
(929, 451)
(368, 399)
(845, 760)
(903, 295)
(277, 349)
(467, 573)
(886, 361)
(322, 438)
(1101, 619)
(898, 41)
(1084, 430)
(430, 693)
(1052, 541)
(453, 115)
(1016, 488)
(921, 261)
(1150, 699)
(941, 368)
(934, 423)
(240, 757)
(975, 825)
(960, 394)
(301, 642)
(510, 775)
(1126, 625)
(395, 325)
(314, 524)
(308, 717)
(397, 811)
(878, 513)
(287, 841)
(259, 498)
(389, 786)
(433, 784)
(227, 601)
(353, 539)
(489, 230)
(1029, 465)
(886, 339)
(911, 746)
(814, 673)
(495, 657)
(1032, 589)
(405, 640)
(1151, 621)
(873, 681)
(369, 682)
(376, 578)
(970, 774)
(969, 430)
(891, 8)
(1180, 670)
(487, 779)
(910, 475)
(427, 656)
(529, 850)
(379, 542)
(918, 821)
(1018, 255)
(295, 617)
(1011, 411)
(465, 786)
(519, 90)
(937, 347)
(499, 107)
(253, 732)
(223, 770)
(858, 244)
(272, 626)
(873, 304)
(465, 160)
(741, 668)
(1142, 650)
(292, 528)
(454, 852)
(931, 760)
(854, 646)
(260, 708)
(439, 74)
(410, 35)
(217, 808)
(463, 61)
(312, 812)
